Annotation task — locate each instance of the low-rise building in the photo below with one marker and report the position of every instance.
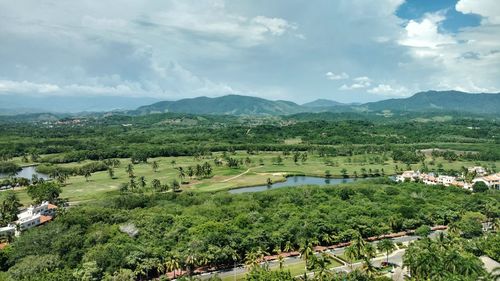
(445, 180)
(480, 171)
(36, 215)
(492, 181)
(408, 176)
(7, 230)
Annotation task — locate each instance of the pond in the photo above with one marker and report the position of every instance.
(293, 181)
(27, 172)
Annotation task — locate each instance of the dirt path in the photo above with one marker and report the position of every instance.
(237, 176)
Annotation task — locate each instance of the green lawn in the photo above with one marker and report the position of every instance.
(77, 189)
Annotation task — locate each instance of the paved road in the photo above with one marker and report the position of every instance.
(396, 257)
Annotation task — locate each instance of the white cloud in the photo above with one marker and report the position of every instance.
(26, 87)
(211, 19)
(490, 9)
(332, 76)
(363, 80)
(388, 90)
(425, 34)
(358, 83)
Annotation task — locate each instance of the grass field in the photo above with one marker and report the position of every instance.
(100, 185)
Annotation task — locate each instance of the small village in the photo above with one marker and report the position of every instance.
(479, 173)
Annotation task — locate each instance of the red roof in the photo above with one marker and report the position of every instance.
(44, 219)
(51, 206)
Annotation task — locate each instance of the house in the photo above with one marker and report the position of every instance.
(36, 215)
(408, 176)
(492, 181)
(429, 179)
(445, 180)
(462, 184)
(480, 171)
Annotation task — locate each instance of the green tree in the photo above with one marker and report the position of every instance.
(87, 174)
(156, 185)
(387, 246)
(88, 272)
(423, 231)
(155, 166)
(344, 172)
(111, 172)
(9, 207)
(46, 191)
(130, 170)
(479, 186)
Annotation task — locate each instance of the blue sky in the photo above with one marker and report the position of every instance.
(345, 50)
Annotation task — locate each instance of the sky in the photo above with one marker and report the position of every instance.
(344, 50)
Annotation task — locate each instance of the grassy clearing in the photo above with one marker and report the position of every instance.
(101, 185)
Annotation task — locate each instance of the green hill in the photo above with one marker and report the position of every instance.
(231, 104)
(440, 101)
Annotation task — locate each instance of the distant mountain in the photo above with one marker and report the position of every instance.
(322, 103)
(23, 104)
(229, 105)
(440, 101)
(431, 101)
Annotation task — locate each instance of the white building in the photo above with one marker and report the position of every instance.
(480, 171)
(7, 230)
(445, 180)
(36, 215)
(408, 176)
(492, 181)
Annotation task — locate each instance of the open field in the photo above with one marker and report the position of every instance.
(261, 167)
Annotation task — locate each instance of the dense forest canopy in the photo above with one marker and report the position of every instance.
(131, 230)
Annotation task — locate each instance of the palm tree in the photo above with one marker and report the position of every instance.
(87, 175)
(368, 267)
(306, 251)
(281, 260)
(142, 182)
(132, 184)
(327, 238)
(387, 246)
(155, 166)
(182, 174)
(190, 262)
(253, 258)
(190, 172)
(130, 170)
(156, 184)
(172, 265)
(288, 247)
(111, 172)
(359, 245)
(350, 254)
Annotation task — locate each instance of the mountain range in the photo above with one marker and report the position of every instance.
(430, 101)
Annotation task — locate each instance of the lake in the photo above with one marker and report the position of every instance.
(293, 181)
(27, 172)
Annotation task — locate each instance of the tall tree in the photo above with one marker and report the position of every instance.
(155, 166)
(387, 246)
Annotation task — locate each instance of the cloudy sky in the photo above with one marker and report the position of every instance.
(346, 50)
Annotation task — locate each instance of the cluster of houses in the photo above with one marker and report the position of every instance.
(492, 181)
(29, 218)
